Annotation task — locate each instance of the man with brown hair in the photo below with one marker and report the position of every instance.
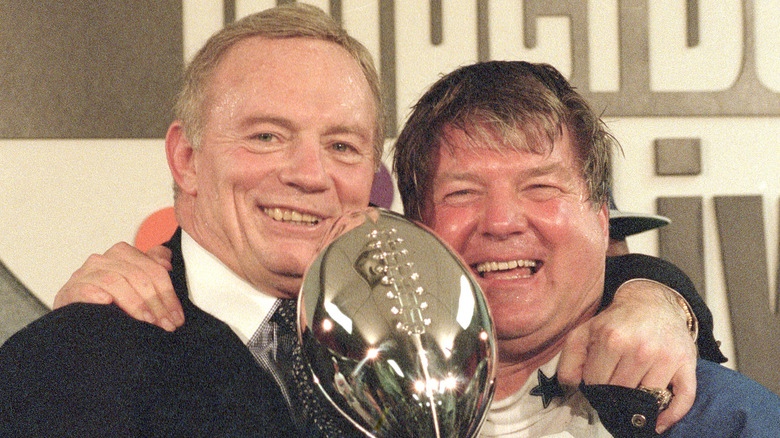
(509, 165)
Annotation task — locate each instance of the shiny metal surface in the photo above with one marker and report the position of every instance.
(396, 331)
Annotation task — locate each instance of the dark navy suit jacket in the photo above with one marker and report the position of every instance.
(90, 370)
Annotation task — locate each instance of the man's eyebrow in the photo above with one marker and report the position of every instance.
(547, 169)
(279, 121)
(350, 129)
(459, 175)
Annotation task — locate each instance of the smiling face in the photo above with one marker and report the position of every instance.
(287, 145)
(524, 224)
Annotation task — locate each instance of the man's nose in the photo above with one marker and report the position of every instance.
(305, 167)
(503, 215)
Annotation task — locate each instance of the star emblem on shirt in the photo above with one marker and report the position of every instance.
(548, 388)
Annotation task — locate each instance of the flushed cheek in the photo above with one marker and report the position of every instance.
(565, 222)
(587, 234)
(551, 215)
(453, 226)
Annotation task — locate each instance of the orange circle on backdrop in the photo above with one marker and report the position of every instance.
(156, 229)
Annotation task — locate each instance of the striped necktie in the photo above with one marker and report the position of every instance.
(276, 348)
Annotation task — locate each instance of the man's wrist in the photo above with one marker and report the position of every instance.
(676, 299)
(693, 323)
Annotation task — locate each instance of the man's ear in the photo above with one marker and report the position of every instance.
(181, 158)
(604, 220)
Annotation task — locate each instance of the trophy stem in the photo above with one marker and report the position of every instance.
(428, 390)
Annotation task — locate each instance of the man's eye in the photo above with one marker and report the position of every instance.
(348, 153)
(342, 147)
(459, 195)
(543, 191)
(264, 136)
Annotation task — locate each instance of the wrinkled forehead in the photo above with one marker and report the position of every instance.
(536, 136)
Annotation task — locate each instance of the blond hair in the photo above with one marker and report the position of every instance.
(287, 21)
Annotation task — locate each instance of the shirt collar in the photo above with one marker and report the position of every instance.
(219, 291)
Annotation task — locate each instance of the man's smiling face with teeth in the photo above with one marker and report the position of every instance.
(287, 146)
(524, 224)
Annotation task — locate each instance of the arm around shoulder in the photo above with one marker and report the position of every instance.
(632, 266)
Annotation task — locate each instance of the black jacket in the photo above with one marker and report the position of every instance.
(90, 370)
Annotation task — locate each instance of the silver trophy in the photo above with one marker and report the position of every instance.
(396, 332)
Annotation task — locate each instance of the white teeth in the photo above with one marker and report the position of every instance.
(503, 266)
(285, 215)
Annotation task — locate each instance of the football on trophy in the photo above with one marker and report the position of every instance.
(396, 331)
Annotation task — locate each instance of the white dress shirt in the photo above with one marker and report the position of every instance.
(219, 291)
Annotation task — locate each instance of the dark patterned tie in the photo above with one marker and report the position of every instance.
(315, 414)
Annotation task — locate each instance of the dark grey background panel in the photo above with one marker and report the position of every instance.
(677, 156)
(743, 251)
(88, 69)
(386, 66)
(18, 307)
(692, 20)
(437, 33)
(682, 241)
